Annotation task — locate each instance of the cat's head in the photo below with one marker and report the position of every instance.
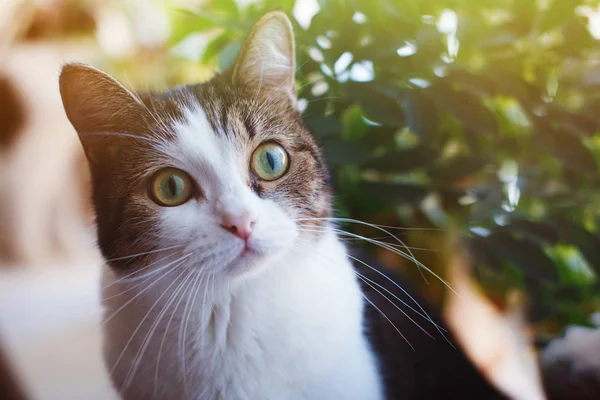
(220, 172)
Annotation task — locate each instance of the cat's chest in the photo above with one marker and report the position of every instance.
(295, 332)
(259, 345)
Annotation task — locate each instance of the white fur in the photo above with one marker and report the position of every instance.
(284, 322)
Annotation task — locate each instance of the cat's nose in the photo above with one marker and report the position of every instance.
(240, 225)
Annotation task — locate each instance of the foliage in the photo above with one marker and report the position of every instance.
(438, 114)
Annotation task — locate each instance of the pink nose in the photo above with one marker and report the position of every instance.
(241, 226)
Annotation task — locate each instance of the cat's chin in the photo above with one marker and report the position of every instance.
(251, 261)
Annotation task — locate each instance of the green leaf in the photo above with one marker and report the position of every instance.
(559, 12)
(354, 123)
(577, 124)
(185, 23)
(319, 24)
(339, 153)
(324, 127)
(316, 108)
(457, 168)
(478, 84)
(384, 50)
(587, 242)
(228, 7)
(228, 55)
(576, 31)
(421, 114)
(397, 193)
(466, 107)
(524, 254)
(536, 231)
(378, 101)
(403, 160)
(223, 20)
(215, 46)
(332, 6)
(407, 10)
(573, 267)
(382, 136)
(567, 148)
(285, 5)
(510, 84)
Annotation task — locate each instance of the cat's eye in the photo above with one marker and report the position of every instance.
(269, 161)
(171, 187)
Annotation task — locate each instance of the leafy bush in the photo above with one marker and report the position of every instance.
(437, 114)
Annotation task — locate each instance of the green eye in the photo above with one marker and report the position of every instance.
(170, 187)
(269, 161)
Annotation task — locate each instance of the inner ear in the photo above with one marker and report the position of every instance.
(94, 101)
(267, 58)
(100, 108)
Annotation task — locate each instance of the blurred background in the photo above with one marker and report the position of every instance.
(474, 120)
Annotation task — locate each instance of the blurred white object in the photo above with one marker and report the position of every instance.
(580, 347)
(572, 363)
(50, 323)
(304, 11)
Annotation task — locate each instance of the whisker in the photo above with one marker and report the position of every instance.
(386, 246)
(143, 253)
(385, 316)
(381, 228)
(179, 261)
(423, 315)
(153, 272)
(323, 98)
(312, 82)
(426, 316)
(380, 239)
(183, 333)
(366, 282)
(357, 221)
(146, 341)
(209, 280)
(367, 239)
(398, 252)
(127, 278)
(143, 319)
(192, 284)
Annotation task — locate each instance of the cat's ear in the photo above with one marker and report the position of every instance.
(97, 106)
(267, 57)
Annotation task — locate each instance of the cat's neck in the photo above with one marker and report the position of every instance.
(280, 334)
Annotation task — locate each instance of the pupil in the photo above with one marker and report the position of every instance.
(271, 160)
(172, 186)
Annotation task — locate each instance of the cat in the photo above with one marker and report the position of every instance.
(225, 278)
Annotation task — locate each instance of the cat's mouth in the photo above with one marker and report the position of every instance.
(248, 254)
(251, 257)
(248, 251)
